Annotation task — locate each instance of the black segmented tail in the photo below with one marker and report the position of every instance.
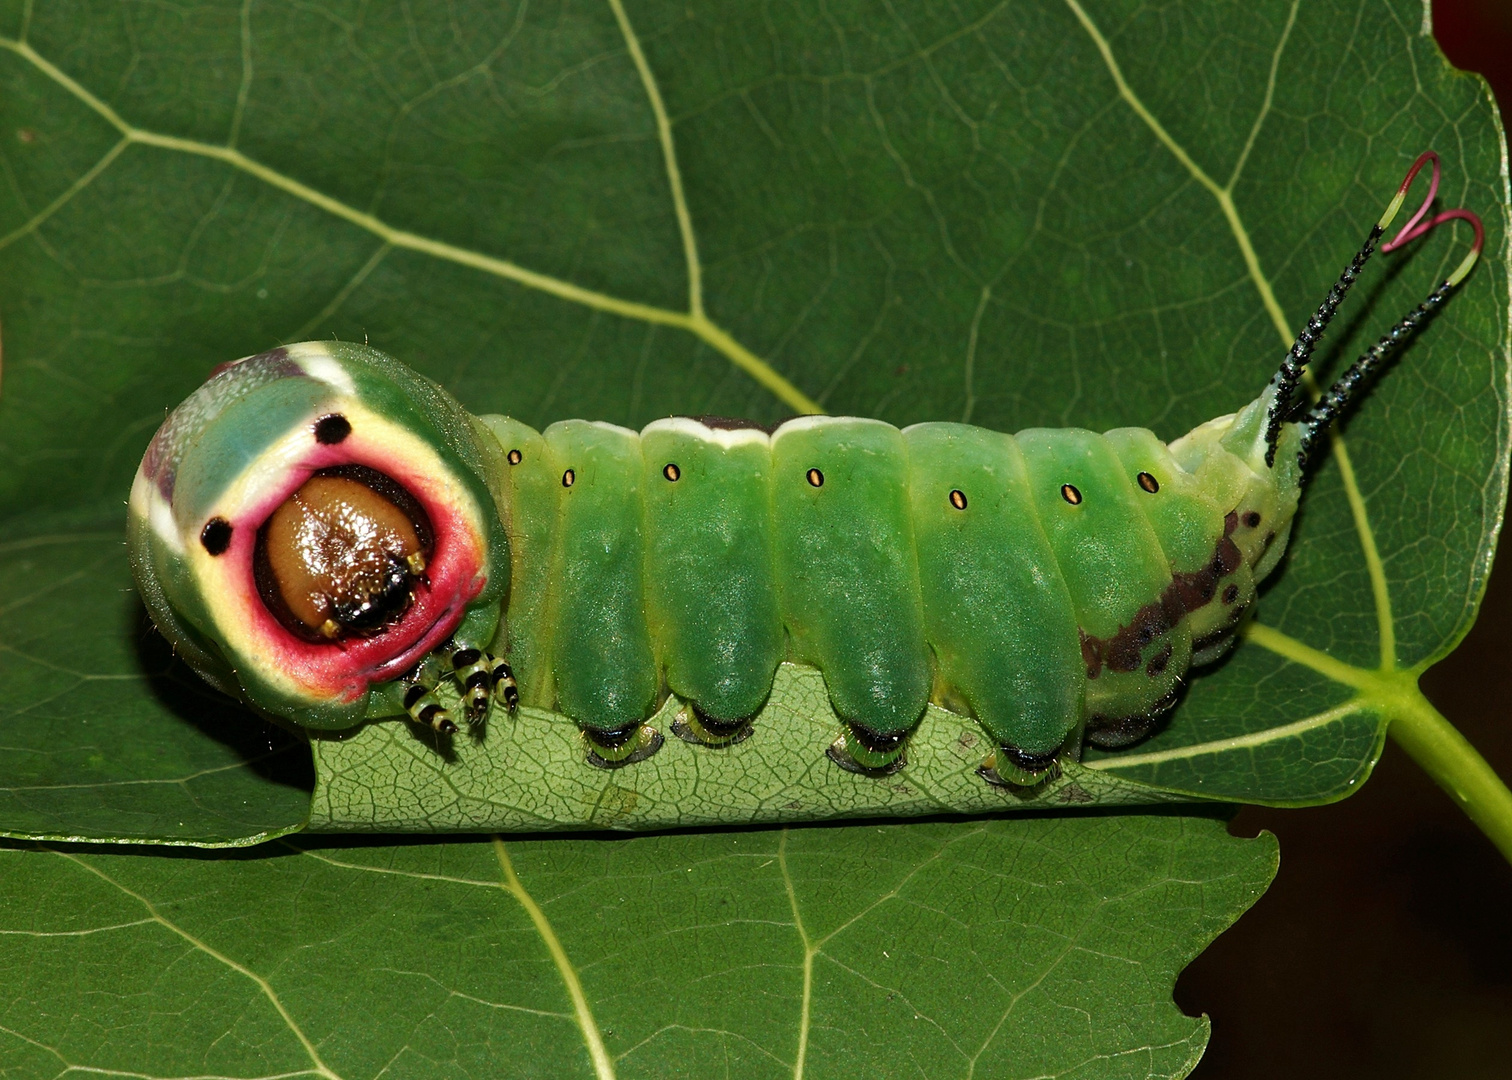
(1328, 408)
(1290, 373)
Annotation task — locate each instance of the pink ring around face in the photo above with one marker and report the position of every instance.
(344, 671)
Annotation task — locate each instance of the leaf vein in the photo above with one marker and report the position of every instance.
(603, 1064)
(321, 1068)
(1225, 199)
(693, 321)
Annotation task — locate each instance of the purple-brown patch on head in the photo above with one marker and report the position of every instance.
(227, 383)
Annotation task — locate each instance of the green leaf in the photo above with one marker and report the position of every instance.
(1038, 947)
(1013, 214)
(103, 734)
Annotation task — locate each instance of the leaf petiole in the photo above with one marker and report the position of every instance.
(1456, 766)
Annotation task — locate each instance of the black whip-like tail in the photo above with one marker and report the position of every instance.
(1284, 382)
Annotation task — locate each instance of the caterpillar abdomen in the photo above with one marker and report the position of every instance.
(1024, 579)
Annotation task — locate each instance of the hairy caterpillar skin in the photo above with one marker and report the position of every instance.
(329, 536)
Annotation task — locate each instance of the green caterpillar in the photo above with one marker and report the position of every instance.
(328, 536)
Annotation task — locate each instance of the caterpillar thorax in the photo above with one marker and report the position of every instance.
(326, 534)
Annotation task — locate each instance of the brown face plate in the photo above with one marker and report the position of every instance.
(338, 557)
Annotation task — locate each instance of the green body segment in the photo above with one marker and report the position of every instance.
(1212, 584)
(711, 592)
(847, 568)
(991, 588)
(526, 481)
(602, 662)
(1113, 566)
(1185, 518)
(1040, 582)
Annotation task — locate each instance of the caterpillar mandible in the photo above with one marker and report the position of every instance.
(330, 537)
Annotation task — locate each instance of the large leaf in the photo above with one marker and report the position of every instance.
(1039, 947)
(1032, 214)
(1012, 214)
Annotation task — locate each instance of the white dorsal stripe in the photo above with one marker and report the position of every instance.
(607, 426)
(725, 438)
(809, 423)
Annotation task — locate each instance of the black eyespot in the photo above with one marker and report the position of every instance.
(671, 471)
(1071, 495)
(515, 457)
(1149, 483)
(958, 498)
(569, 478)
(815, 478)
(1252, 519)
(216, 535)
(332, 429)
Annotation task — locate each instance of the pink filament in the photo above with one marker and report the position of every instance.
(1402, 236)
(1439, 219)
(1412, 230)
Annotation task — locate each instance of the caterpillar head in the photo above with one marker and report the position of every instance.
(309, 524)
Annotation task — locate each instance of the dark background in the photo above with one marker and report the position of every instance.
(1384, 948)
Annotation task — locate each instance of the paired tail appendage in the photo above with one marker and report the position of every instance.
(1282, 390)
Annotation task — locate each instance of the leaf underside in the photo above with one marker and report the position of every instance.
(1061, 213)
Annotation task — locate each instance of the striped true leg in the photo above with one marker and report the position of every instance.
(420, 699)
(504, 685)
(472, 668)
